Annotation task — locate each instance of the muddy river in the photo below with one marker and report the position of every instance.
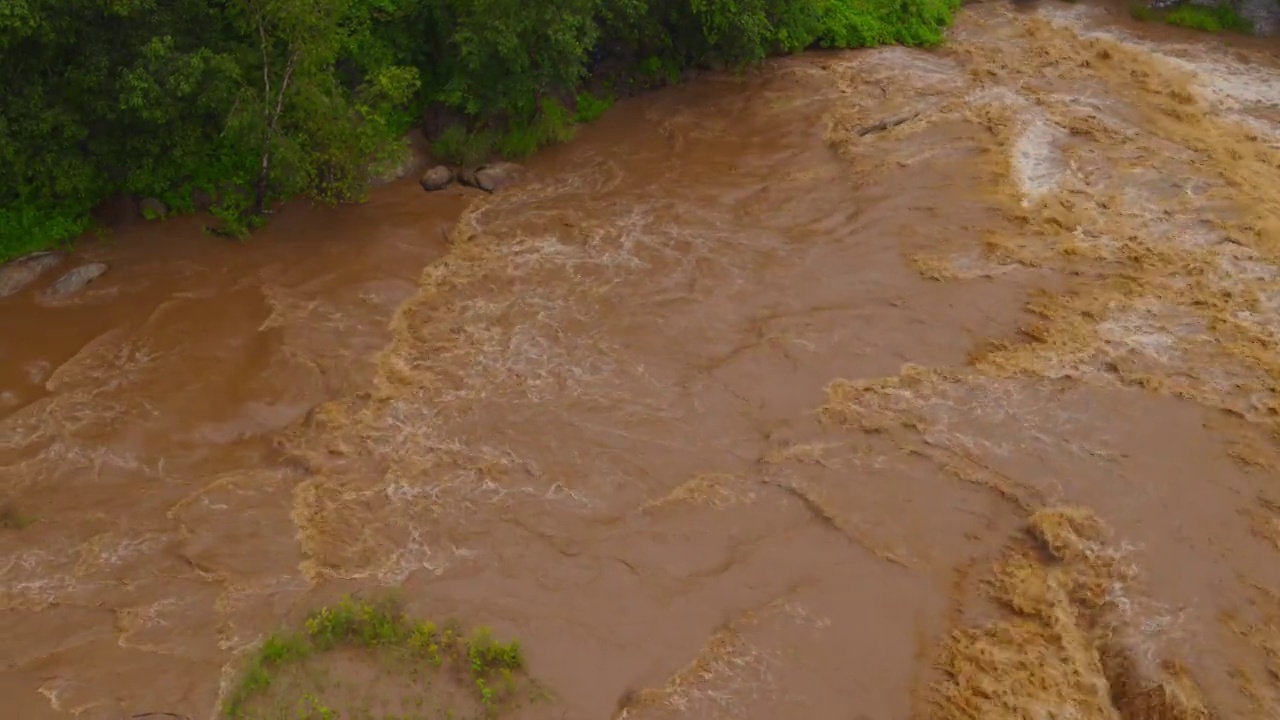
(883, 384)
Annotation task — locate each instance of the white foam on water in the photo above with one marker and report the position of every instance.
(1037, 160)
(1222, 78)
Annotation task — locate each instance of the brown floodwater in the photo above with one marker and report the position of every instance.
(744, 404)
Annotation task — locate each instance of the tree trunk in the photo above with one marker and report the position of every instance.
(270, 119)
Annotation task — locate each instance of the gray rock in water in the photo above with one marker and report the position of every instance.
(22, 272)
(153, 209)
(75, 280)
(492, 177)
(437, 178)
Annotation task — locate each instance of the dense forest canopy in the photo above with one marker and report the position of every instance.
(243, 102)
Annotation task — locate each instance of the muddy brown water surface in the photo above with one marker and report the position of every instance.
(729, 411)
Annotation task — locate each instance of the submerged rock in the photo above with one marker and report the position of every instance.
(437, 178)
(74, 281)
(492, 177)
(22, 272)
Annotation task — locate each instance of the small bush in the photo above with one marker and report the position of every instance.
(26, 229)
(494, 669)
(1217, 18)
(590, 107)
(555, 124)
(458, 146)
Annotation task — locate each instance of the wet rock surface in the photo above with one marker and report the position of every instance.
(494, 176)
(437, 178)
(18, 274)
(75, 280)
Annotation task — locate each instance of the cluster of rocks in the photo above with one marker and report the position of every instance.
(21, 273)
(488, 178)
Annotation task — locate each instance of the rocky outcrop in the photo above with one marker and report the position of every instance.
(1264, 14)
(16, 275)
(437, 178)
(494, 176)
(74, 281)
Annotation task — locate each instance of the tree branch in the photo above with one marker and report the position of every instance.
(266, 63)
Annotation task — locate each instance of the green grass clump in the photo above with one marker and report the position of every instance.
(26, 229)
(288, 663)
(872, 23)
(1217, 18)
(590, 106)
(553, 124)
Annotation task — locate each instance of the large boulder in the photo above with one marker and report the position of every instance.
(437, 178)
(74, 281)
(491, 177)
(18, 274)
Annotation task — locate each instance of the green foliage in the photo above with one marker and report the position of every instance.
(381, 626)
(366, 624)
(870, 23)
(459, 146)
(253, 101)
(275, 650)
(590, 107)
(26, 228)
(1215, 18)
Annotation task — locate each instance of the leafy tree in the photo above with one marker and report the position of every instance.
(253, 101)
